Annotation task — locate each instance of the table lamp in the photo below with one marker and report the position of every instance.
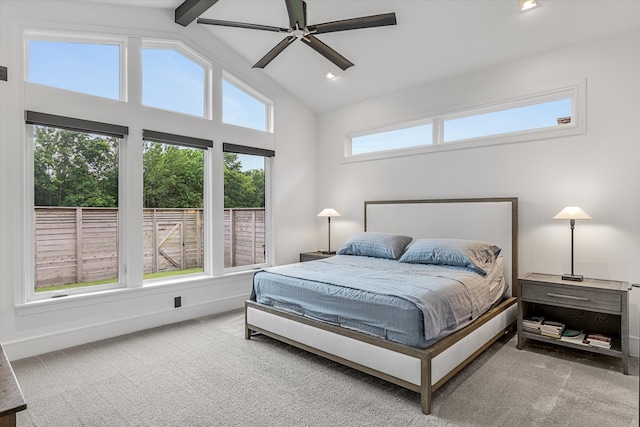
(572, 213)
(329, 213)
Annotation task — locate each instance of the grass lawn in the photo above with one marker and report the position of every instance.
(107, 281)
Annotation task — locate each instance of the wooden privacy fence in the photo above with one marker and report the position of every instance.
(76, 245)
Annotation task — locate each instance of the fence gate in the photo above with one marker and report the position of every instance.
(169, 236)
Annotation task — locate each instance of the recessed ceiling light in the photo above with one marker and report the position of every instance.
(330, 75)
(528, 4)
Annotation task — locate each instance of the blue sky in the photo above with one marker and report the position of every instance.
(402, 138)
(512, 120)
(171, 81)
(76, 66)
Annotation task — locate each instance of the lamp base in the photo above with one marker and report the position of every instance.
(573, 277)
(328, 252)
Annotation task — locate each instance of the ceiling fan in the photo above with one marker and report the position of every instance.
(299, 29)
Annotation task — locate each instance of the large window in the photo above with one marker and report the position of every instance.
(75, 187)
(112, 210)
(77, 66)
(553, 113)
(173, 80)
(244, 205)
(173, 213)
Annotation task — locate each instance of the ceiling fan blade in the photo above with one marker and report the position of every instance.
(355, 23)
(297, 10)
(241, 25)
(274, 52)
(190, 10)
(327, 52)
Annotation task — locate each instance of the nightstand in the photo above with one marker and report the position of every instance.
(310, 256)
(600, 306)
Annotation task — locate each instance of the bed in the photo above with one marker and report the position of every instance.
(421, 362)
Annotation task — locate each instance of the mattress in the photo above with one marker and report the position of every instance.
(412, 304)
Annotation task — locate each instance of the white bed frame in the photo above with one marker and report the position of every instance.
(420, 370)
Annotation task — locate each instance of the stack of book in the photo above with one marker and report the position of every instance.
(598, 340)
(551, 328)
(532, 324)
(574, 336)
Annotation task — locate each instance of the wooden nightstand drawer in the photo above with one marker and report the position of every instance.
(581, 297)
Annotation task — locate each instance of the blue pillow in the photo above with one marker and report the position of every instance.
(377, 245)
(472, 254)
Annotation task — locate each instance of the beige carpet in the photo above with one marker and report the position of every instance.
(204, 373)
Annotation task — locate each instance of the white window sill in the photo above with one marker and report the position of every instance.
(150, 287)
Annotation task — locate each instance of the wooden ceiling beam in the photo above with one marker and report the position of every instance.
(189, 10)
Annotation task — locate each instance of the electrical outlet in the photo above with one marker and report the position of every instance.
(177, 302)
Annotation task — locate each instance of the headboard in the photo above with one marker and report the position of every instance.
(489, 219)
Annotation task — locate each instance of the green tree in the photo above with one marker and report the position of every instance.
(75, 169)
(79, 169)
(242, 189)
(173, 176)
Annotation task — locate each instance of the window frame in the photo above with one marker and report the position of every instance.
(137, 115)
(513, 104)
(391, 128)
(268, 159)
(206, 146)
(70, 37)
(32, 120)
(575, 90)
(191, 54)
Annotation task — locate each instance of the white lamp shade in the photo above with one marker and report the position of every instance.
(572, 212)
(329, 212)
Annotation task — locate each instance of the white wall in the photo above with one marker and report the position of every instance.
(597, 171)
(27, 329)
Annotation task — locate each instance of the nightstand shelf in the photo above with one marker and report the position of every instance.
(615, 351)
(599, 306)
(311, 256)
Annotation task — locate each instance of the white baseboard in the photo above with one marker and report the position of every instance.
(33, 346)
(58, 340)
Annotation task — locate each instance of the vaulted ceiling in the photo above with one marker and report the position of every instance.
(432, 39)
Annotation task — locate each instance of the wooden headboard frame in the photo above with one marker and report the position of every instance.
(454, 218)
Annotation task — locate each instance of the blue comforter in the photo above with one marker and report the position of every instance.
(414, 304)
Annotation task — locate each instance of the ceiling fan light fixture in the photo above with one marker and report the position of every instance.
(528, 4)
(329, 75)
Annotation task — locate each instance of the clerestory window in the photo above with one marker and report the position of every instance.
(552, 113)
